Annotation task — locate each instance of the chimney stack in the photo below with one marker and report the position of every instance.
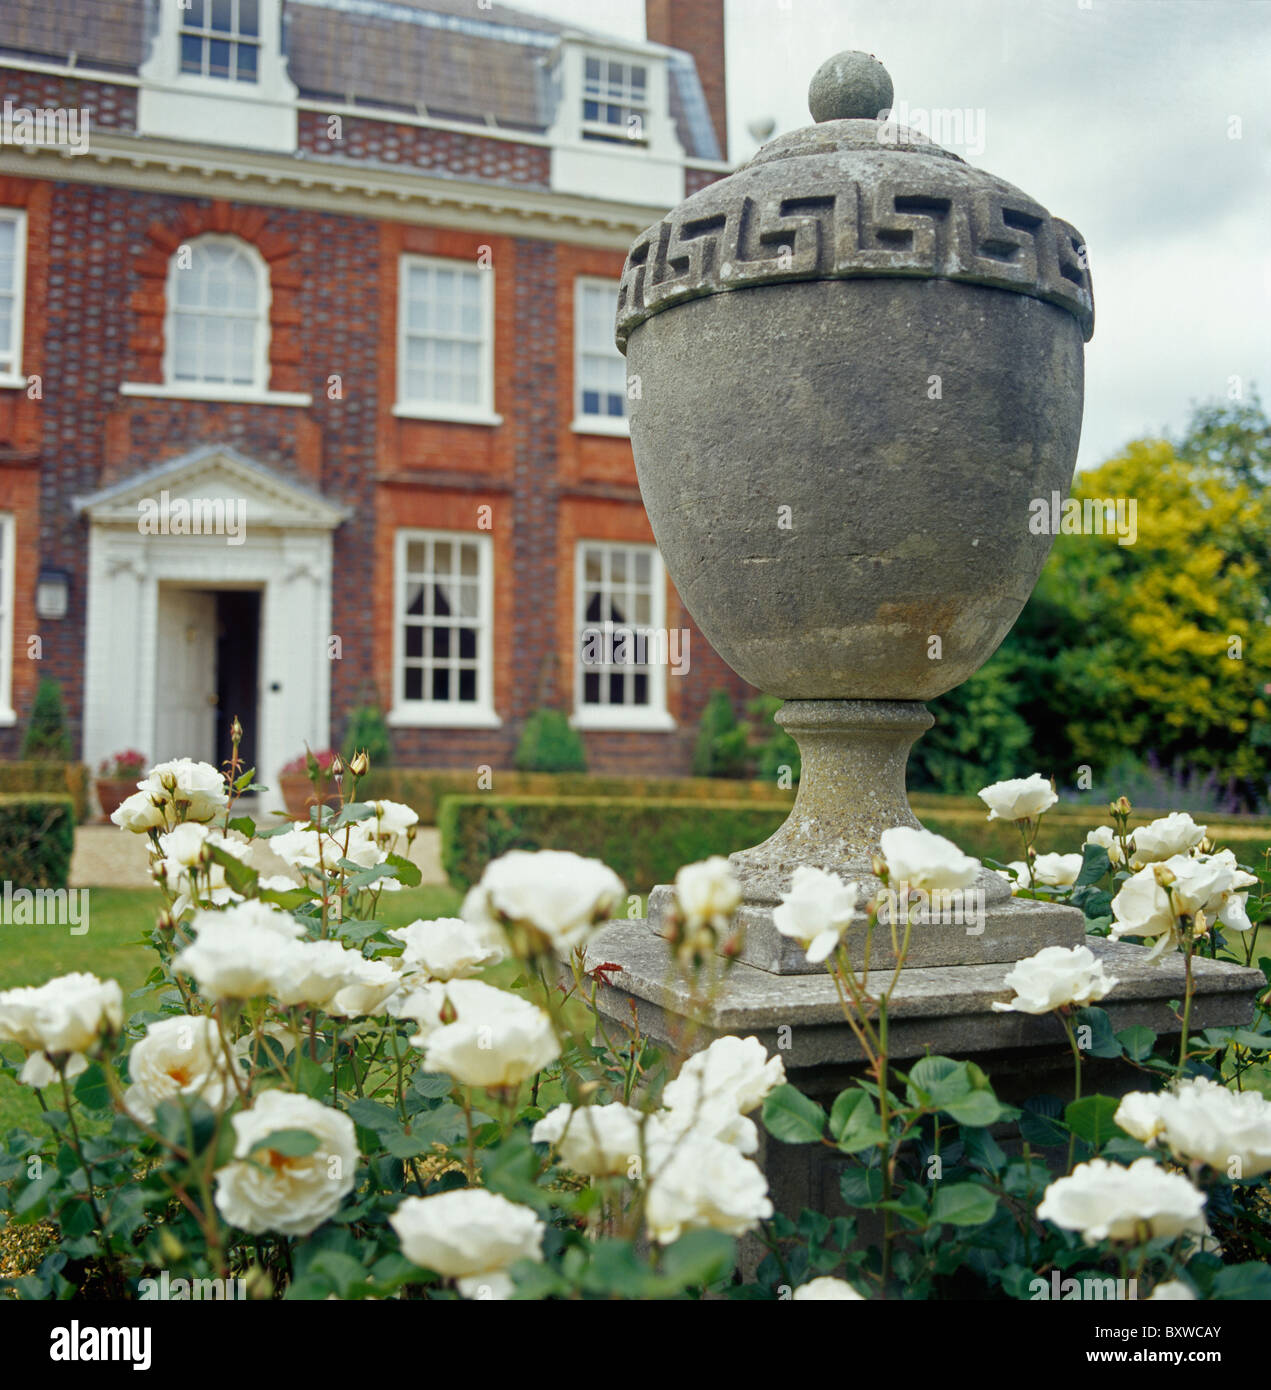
(696, 26)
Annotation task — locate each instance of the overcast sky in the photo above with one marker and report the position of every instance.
(1114, 114)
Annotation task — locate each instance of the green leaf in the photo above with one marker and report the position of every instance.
(244, 825)
(1090, 1118)
(288, 898)
(1039, 1123)
(91, 1090)
(407, 871)
(927, 1074)
(379, 1119)
(1094, 864)
(1244, 1283)
(1138, 1042)
(979, 1108)
(242, 878)
(789, 1116)
(292, 1143)
(854, 1123)
(964, 1204)
(861, 1187)
(1100, 1042)
(698, 1259)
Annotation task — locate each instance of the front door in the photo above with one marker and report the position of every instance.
(185, 672)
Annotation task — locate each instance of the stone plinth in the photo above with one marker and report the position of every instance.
(944, 1010)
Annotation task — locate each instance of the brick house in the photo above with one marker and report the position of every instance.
(308, 393)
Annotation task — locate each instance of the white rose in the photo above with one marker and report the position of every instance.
(707, 893)
(449, 948)
(58, 1022)
(424, 1002)
(816, 911)
(1226, 902)
(1105, 837)
(1202, 1121)
(703, 1182)
(392, 818)
(314, 972)
(1020, 798)
(1171, 1289)
(1139, 1114)
(925, 861)
(1197, 882)
(198, 787)
(562, 896)
(240, 953)
(737, 1070)
(713, 1117)
(182, 1056)
(367, 986)
(183, 844)
(270, 1191)
(1056, 870)
(597, 1141)
(302, 847)
(1056, 976)
(139, 812)
(1142, 908)
(1107, 1202)
(492, 1042)
(1163, 838)
(471, 1235)
(825, 1289)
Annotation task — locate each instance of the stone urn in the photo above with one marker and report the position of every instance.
(860, 360)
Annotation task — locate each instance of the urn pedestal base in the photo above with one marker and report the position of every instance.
(945, 1010)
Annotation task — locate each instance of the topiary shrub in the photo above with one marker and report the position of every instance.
(368, 732)
(549, 743)
(55, 779)
(723, 745)
(644, 842)
(46, 739)
(37, 835)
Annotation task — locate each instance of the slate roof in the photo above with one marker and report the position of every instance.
(442, 58)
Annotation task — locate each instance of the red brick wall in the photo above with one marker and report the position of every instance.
(697, 26)
(112, 106)
(420, 147)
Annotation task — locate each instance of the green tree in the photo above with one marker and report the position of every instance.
(46, 738)
(549, 743)
(723, 745)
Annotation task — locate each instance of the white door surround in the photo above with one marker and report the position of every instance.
(284, 548)
(185, 669)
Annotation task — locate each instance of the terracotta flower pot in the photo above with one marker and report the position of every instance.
(299, 795)
(111, 791)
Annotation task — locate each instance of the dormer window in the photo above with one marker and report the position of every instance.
(615, 99)
(221, 38)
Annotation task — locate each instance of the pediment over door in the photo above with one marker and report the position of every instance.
(212, 474)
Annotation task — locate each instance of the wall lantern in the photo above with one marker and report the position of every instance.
(52, 593)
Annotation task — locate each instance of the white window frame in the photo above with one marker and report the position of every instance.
(12, 374)
(222, 390)
(429, 713)
(625, 100)
(654, 716)
(482, 412)
(8, 551)
(232, 36)
(595, 424)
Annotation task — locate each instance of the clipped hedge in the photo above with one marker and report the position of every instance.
(58, 779)
(424, 790)
(643, 841)
(37, 835)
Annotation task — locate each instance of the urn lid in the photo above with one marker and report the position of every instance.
(853, 196)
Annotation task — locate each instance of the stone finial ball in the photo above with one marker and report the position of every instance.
(850, 86)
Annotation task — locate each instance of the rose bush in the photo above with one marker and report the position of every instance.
(327, 1106)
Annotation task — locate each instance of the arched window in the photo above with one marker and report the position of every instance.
(218, 315)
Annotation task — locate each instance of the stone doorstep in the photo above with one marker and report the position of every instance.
(946, 1009)
(1010, 930)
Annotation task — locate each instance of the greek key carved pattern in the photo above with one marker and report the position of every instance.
(897, 226)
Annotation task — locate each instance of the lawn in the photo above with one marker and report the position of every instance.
(114, 947)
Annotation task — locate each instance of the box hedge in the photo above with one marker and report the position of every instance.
(37, 835)
(57, 779)
(646, 839)
(423, 789)
(643, 841)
